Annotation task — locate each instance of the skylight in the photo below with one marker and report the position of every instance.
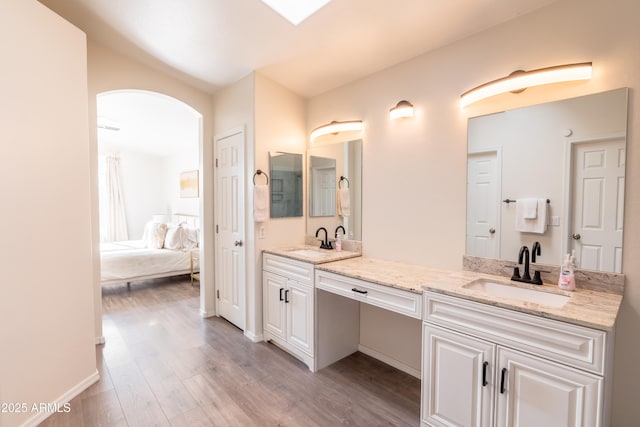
(296, 11)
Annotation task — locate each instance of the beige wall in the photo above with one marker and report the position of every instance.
(47, 349)
(417, 168)
(109, 70)
(273, 119)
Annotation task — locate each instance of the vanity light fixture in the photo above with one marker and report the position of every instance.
(337, 127)
(520, 80)
(402, 109)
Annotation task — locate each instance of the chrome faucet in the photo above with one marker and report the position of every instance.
(325, 244)
(344, 232)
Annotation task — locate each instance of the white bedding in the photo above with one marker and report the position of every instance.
(131, 260)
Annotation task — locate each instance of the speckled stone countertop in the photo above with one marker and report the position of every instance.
(324, 255)
(388, 273)
(586, 307)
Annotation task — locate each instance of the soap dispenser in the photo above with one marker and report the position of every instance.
(567, 279)
(338, 243)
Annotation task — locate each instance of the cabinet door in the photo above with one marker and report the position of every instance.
(273, 289)
(538, 392)
(457, 379)
(299, 306)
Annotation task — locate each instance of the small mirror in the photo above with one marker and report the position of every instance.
(286, 184)
(322, 181)
(333, 167)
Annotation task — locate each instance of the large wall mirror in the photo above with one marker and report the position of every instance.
(285, 170)
(328, 163)
(569, 152)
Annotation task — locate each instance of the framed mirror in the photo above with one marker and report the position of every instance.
(570, 153)
(328, 163)
(285, 171)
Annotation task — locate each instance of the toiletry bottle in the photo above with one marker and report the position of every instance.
(338, 243)
(567, 280)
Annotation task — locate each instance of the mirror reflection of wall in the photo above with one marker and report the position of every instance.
(327, 163)
(285, 184)
(571, 152)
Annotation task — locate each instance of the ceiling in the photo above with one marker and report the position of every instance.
(146, 122)
(210, 44)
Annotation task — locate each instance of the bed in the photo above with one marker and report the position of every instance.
(133, 260)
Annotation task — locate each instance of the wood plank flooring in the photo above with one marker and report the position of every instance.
(163, 365)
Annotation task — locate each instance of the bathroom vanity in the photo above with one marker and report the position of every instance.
(494, 353)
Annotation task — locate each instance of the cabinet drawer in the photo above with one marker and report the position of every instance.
(291, 268)
(571, 344)
(397, 300)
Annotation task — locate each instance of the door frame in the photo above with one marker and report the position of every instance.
(216, 191)
(566, 222)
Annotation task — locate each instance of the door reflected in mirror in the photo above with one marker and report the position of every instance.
(285, 170)
(322, 181)
(327, 164)
(571, 152)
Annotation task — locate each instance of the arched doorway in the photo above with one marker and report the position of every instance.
(158, 140)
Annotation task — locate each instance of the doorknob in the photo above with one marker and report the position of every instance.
(238, 243)
(492, 230)
(576, 236)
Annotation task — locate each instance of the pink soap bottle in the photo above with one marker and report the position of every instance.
(567, 280)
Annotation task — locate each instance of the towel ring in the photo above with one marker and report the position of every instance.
(259, 172)
(343, 178)
(507, 201)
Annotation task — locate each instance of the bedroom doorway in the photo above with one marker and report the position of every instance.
(157, 140)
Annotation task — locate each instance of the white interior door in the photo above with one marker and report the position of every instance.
(230, 249)
(483, 204)
(598, 204)
(324, 192)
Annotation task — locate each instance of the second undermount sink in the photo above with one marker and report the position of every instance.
(309, 253)
(508, 291)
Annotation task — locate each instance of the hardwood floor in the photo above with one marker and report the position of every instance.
(163, 364)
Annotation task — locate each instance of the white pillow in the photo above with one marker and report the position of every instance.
(191, 237)
(175, 238)
(154, 234)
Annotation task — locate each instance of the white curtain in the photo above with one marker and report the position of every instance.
(115, 223)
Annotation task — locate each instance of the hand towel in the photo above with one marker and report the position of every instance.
(528, 208)
(260, 202)
(344, 202)
(536, 225)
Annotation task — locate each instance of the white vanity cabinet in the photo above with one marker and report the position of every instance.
(488, 366)
(288, 305)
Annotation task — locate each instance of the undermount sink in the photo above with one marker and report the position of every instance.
(508, 291)
(309, 253)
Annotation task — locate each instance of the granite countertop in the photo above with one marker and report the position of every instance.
(591, 308)
(388, 273)
(324, 255)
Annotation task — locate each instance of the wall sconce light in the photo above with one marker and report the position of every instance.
(402, 109)
(336, 127)
(520, 80)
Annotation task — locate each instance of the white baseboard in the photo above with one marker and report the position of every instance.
(206, 314)
(389, 361)
(100, 340)
(254, 337)
(65, 398)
